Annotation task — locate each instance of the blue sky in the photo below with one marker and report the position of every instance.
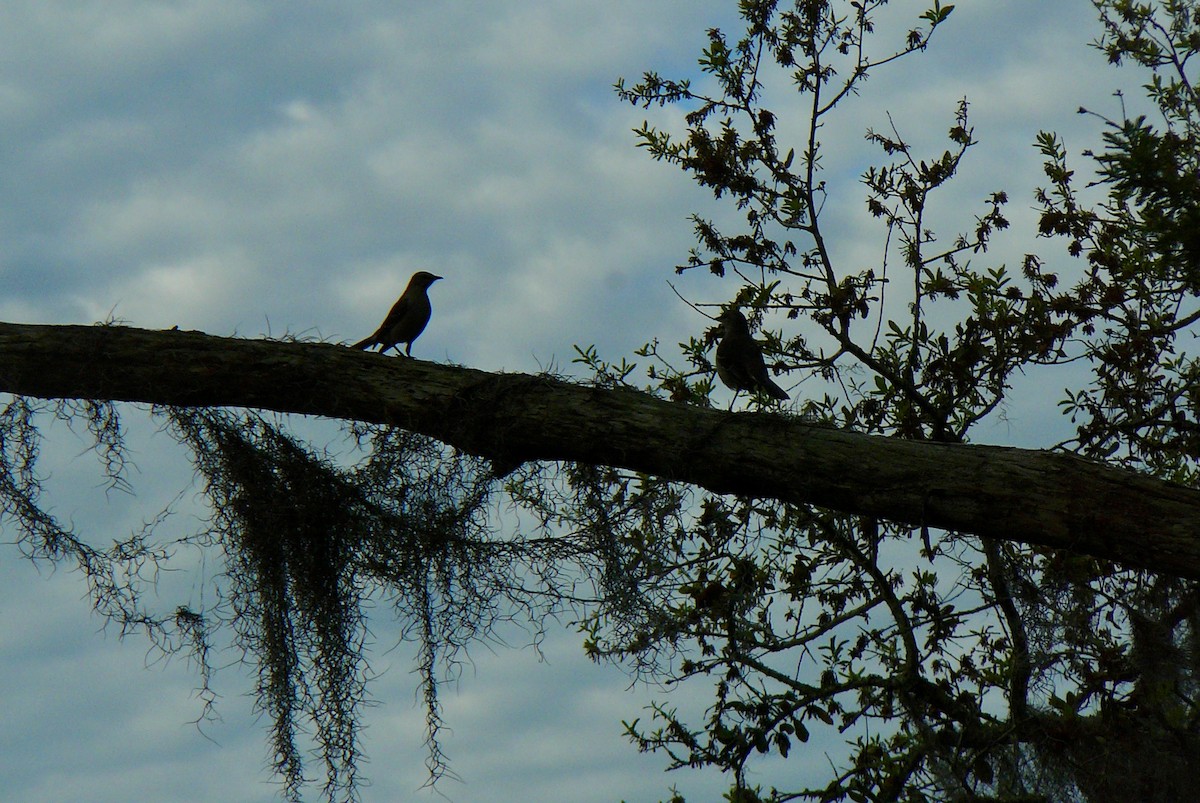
(259, 168)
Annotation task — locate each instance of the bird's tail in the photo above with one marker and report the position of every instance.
(365, 344)
(774, 390)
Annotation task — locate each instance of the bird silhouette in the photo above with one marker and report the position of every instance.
(739, 359)
(407, 318)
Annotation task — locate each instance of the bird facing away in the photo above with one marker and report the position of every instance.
(407, 319)
(739, 359)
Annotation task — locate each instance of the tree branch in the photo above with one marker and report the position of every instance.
(1032, 497)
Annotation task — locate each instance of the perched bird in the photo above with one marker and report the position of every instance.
(407, 319)
(739, 359)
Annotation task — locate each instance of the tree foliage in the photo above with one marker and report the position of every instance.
(957, 667)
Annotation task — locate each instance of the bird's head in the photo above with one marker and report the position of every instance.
(732, 320)
(423, 278)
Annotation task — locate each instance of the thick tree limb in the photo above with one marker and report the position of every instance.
(1020, 495)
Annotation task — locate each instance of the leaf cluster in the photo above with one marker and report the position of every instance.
(964, 669)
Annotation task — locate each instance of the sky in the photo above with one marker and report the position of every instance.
(256, 168)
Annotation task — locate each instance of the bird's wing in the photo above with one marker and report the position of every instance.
(396, 314)
(735, 362)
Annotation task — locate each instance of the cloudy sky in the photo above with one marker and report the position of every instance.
(249, 167)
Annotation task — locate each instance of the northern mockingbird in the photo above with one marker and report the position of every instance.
(739, 359)
(407, 319)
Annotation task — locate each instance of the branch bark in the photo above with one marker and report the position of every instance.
(1032, 497)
